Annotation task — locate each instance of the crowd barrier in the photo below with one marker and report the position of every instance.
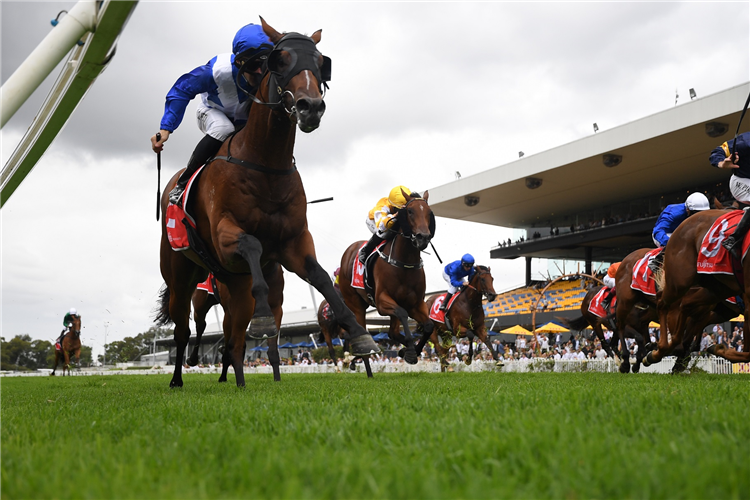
(709, 364)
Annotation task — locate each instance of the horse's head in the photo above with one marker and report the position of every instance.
(75, 329)
(297, 75)
(416, 220)
(482, 281)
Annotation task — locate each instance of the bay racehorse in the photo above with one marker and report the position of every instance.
(397, 276)
(250, 210)
(330, 328)
(589, 319)
(71, 346)
(680, 275)
(465, 316)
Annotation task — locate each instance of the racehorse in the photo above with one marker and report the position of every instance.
(466, 316)
(397, 275)
(71, 345)
(202, 301)
(587, 318)
(680, 275)
(330, 328)
(250, 211)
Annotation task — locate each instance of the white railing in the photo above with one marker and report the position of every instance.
(709, 364)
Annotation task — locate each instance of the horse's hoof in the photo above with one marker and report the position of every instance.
(624, 368)
(711, 350)
(410, 356)
(648, 360)
(636, 368)
(262, 328)
(175, 383)
(401, 353)
(192, 361)
(364, 346)
(353, 366)
(222, 379)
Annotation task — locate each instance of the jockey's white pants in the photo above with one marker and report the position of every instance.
(214, 122)
(608, 281)
(451, 288)
(740, 188)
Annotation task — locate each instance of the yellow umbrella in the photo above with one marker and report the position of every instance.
(551, 328)
(516, 330)
(741, 317)
(654, 324)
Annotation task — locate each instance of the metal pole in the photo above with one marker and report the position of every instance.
(48, 54)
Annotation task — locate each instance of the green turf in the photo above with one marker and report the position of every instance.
(422, 435)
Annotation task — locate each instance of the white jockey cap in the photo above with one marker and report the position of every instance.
(696, 202)
(73, 311)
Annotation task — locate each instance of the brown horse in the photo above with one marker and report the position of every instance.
(587, 318)
(398, 276)
(330, 328)
(680, 275)
(250, 211)
(71, 346)
(466, 316)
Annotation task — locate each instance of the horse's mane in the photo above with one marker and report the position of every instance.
(482, 268)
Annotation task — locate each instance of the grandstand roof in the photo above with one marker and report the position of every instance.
(660, 153)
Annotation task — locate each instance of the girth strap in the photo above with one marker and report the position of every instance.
(397, 263)
(254, 166)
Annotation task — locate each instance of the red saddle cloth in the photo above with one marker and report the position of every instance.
(595, 306)
(207, 285)
(713, 258)
(58, 347)
(643, 277)
(435, 313)
(327, 312)
(176, 232)
(358, 269)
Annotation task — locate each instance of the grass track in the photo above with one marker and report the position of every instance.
(422, 435)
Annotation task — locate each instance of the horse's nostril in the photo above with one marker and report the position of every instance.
(303, 106)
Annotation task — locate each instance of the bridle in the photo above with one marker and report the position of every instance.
(304, 56)
(481, 271)
(404, 228)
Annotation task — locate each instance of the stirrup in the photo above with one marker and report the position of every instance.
(175, 195)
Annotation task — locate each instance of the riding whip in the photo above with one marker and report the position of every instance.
(436, 254)
(320, 200)
(734, 144)
(158, 177)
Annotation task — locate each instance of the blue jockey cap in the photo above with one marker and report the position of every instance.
(250, 38)
(467, 259)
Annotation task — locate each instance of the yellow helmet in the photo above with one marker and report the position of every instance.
(396, 197)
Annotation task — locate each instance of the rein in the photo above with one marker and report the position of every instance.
(396, 263)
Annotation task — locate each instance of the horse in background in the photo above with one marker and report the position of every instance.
(202, 301)
(330, 328)
(398, 280)
(250, 212)
(589, 319)
(465, 315)
(71, 346)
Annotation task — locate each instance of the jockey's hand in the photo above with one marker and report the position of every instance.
(730, 161)
(157, 146)
(390, 222)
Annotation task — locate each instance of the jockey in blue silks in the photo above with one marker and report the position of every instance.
(225, 100)
(457, 274)
(671, 217)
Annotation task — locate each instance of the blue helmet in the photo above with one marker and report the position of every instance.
(250, 38)
(467, 259)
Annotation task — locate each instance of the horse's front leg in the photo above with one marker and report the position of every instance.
(470, 335)
(482, 334)
(66, 365)
(263, 323)
(275, 280)
(387, 307)
(424, 325)
(202, 304)
(299, 258)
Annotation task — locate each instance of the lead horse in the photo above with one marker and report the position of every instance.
(680, 275)
(397, 275)
(250, 211)
(71, 346)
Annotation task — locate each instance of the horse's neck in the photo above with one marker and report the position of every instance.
(471, 293)
(267, 138)
(402, 250)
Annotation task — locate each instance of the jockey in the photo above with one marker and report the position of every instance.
(739, 183)
(225, 100)
(671, 217)
(609, 282)
(67, 323)
(457, 274)
(382, 218)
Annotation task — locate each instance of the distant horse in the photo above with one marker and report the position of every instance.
(330, 328)
(587, 318)
(397, 275)
(202, 303)
(250, 211)
(466, 316)
(71, 346)
(680, 275)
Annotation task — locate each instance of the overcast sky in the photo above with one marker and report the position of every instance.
(419, 91)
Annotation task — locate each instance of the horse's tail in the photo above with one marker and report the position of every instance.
(161, 313)
(659, 278)
(580, 323)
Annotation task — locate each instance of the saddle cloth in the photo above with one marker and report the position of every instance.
(176, 232)
(595, 306)
(207, 285)
(358, 269)
(713, 258)
(435, 313)
(327, 312)
(643, 277)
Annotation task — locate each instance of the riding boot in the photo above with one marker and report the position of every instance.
(734, 242)
(369, 247)
(206, 148)
(656, 263)
(445, 301)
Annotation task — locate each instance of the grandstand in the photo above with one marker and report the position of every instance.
(560, 296)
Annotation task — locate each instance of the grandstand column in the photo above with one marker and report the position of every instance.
(528, 271)
(587, 251)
